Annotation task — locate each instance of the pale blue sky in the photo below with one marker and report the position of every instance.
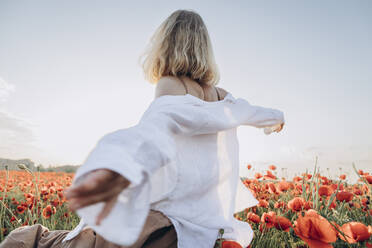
(69, 73)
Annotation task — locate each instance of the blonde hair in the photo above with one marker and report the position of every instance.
(181, 47)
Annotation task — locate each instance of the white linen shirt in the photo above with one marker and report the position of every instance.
(182, 159)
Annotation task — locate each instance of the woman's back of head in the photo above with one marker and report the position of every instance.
(181, 46)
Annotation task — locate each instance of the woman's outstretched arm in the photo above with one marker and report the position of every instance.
(103, 185)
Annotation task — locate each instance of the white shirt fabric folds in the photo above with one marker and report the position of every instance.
(182, 159)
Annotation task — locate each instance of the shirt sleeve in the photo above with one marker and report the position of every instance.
(238, 112)
(134, 153)
(211, 117)
(261, 117)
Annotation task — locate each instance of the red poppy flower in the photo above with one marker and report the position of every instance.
(344, 196)
(315, 230)
(55, 202)
(263, 203)
(253, 217)
(296, 204)
(282, 223)
(283, 186)
(60, 194)
(368, 178)
(308, 205)
(280, 204)
(272, 188)
(325, 190)
(343, 177)
(49, 211)
(257, 175)
(21, 209)
(357, 191)
(354, 232)
(268, 219)
(230, 244)
(269, 175)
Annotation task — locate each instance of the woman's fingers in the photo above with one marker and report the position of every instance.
(97, 186)
(101, 186)
(89, 183)
(106, 210)
(93, 183)
(280, 129)
(83, 201)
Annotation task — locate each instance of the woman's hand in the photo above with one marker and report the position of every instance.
(280, 129)
(101, 185)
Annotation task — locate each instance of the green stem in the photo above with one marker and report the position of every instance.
(3, 206)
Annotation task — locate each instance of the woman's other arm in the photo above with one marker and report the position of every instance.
(257, 116)
(223, 93)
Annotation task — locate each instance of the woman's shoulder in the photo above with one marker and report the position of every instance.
(169, 85)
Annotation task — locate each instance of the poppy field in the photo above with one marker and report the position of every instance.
(310, 210)
(28, 198)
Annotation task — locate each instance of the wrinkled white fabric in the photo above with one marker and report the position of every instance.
(182, 159)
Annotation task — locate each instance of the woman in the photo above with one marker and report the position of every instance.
(180, 197)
